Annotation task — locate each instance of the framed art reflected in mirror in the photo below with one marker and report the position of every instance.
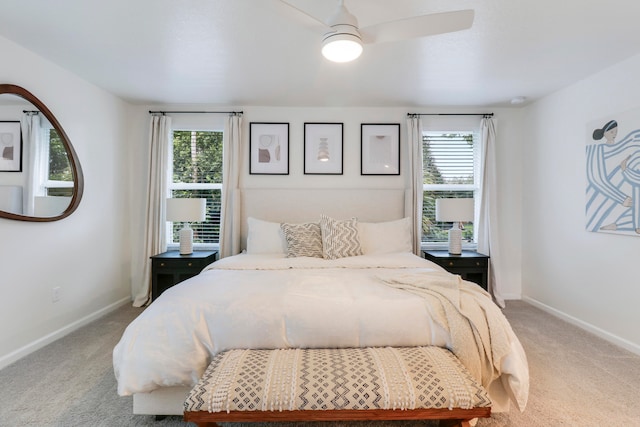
(10, 146)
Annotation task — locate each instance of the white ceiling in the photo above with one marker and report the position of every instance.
(260, 52)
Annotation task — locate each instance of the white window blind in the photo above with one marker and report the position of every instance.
(450, 163)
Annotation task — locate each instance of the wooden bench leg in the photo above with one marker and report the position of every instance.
(454, 423)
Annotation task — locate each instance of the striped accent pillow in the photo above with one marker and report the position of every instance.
(339, 238)
(302, 239)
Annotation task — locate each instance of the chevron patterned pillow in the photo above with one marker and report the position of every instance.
(339, 238)
(302, 239)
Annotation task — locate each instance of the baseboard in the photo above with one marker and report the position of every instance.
(607, 336)
(48, 339)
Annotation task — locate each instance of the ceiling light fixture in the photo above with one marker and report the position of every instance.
(343, 43)
(343, 39)
(342, 46)
(518, 100)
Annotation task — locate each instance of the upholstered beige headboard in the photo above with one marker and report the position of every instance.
(304, 205)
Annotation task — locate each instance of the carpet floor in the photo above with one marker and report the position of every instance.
(577, 379)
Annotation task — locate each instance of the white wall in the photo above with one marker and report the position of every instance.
(87, 254)
(588, 278)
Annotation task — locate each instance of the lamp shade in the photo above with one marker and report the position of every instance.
(454, 210)
(186, 210)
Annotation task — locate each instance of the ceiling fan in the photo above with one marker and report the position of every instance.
(343, 39)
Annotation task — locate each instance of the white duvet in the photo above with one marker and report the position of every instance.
(268, 301)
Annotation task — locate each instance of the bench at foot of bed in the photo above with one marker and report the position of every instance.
(408, 383)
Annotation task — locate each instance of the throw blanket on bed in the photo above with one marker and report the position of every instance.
(480, 336)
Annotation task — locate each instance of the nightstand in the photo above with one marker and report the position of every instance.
(170, 268)
(470, 265)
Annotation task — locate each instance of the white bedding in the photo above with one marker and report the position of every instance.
(269, 301)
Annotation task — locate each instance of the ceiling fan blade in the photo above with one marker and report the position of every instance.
(419, 26)
(299, 15)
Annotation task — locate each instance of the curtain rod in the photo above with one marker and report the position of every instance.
(451, 114)
(195, 112)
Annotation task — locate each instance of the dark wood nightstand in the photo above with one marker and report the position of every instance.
(170, 268)
(470, 265)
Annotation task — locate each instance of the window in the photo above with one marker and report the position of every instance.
(196, 172)
(451, 162)
(59, 176)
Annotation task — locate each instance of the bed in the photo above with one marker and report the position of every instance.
(265, 298)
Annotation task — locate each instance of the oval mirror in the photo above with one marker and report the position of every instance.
(40, 176)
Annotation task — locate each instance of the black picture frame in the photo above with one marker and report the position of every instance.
(268, 148)
(323, 148)
(380, 149)
(10, 146)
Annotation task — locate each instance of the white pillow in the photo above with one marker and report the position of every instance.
(265, 237)
(385, 237)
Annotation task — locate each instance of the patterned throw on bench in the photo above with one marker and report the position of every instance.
(336, 379)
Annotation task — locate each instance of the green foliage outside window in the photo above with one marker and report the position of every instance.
(59, 166)
(197, 156)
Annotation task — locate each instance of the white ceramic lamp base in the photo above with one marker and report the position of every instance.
(455, 239)
(186, 240)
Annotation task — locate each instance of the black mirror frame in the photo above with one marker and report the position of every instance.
(76, 169)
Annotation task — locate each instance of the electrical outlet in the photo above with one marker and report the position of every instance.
(55, 294)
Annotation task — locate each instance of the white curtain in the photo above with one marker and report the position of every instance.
(232, 162)
(155, 239)
(488, 212)
(414, 199)
(36, 146)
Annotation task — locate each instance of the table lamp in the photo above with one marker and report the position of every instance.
(456, 211)
(186, 210)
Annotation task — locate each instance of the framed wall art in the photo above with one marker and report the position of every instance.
(380, 149)
(612, 202)
(10, 147)
(323, 148)
(268, 148)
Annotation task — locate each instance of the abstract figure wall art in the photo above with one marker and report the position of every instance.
(613, 175)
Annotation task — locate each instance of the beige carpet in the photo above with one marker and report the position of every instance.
(576, 380)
